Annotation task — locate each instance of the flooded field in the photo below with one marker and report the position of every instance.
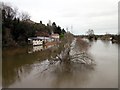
(45, 67)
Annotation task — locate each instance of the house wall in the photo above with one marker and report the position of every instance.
(37, 42)
(40, 40)
(56, 37)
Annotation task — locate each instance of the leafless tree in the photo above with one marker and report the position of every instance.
(90, 32)
(24, 16)
(9, 11)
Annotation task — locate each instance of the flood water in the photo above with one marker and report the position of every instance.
(33, 67)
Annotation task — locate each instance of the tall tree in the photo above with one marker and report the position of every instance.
(40, 22)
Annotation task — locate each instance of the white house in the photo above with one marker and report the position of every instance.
(55, 37)
(39, 40)
(42, 40)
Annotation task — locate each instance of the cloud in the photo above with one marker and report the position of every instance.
(100, 15)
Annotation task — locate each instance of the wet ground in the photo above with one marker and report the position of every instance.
(95, 66)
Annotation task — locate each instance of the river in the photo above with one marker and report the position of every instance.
(31, 67)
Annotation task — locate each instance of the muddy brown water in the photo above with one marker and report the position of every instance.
(31, 67)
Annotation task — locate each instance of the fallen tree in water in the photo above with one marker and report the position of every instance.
(76, 52)
(72, 52)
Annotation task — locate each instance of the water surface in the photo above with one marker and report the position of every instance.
(32, 67)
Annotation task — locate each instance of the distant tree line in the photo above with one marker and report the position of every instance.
(91, 36)
(17, 27)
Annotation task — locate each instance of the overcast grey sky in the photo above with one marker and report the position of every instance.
(99, 15)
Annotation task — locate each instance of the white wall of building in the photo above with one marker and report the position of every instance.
(37, 42)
